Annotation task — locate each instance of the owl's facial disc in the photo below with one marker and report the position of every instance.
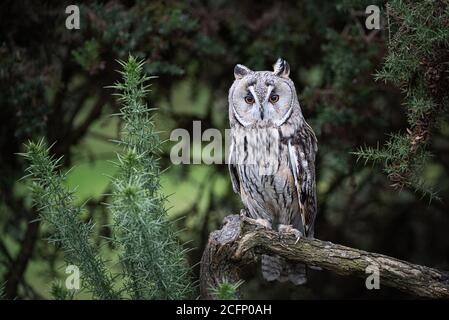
(278, 102)
(262, 98)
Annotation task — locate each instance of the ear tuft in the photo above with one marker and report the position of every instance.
(240, 71)
(281, 68)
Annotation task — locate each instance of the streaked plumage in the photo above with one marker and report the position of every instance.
(272, 159)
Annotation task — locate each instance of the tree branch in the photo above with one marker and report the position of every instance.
(18, 267)
(241, 240)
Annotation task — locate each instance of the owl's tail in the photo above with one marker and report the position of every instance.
(276, 268)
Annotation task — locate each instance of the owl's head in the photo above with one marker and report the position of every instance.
(262, 96)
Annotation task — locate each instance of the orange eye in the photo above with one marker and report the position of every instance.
(274, 98)
(249, 99)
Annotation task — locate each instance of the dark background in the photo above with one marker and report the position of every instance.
(52, 84)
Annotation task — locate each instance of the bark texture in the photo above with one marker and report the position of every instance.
(241, 241)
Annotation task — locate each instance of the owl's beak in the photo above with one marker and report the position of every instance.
(260, 105)
(263, 107)
(262, 112)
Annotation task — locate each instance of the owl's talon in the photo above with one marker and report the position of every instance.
(260, 223)
(288, 230)
(263, 224)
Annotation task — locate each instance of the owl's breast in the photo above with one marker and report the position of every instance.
(268, 186)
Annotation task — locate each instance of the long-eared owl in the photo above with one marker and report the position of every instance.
(272, 159)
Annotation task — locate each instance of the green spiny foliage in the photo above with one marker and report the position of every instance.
(395, 157)
(417, 63)
(55, 205)
(226, 290)
(60, 292)
(154, 262)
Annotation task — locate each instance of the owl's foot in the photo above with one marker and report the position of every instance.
(287, 229)
(262, 223)
(259, 223)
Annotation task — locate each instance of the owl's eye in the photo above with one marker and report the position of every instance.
(274, 98)
(249, 99)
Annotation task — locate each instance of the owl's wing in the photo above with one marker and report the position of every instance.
(302, 150)
(233, 169)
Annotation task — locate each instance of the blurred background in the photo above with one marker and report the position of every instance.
(53, 85)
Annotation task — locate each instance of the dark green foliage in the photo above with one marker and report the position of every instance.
(88, 55)
(417, 62)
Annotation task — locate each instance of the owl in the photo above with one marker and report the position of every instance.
(272, 159)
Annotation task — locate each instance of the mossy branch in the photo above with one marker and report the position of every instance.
(241, 241)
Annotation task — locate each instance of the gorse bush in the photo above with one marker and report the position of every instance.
(417, 62)
(226, 290)
(153, 263)
(55, 205)
(60, 292)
